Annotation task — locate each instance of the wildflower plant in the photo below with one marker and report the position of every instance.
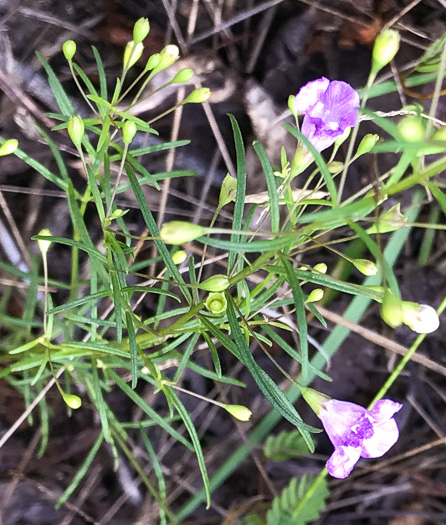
(93, 336)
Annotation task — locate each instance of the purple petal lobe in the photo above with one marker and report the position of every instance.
(385, 435)
(384, 409)
(338, 419)
(309, 94)
(342, 461)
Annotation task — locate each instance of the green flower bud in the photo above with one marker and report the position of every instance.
(321, 268)
(385, 48)
(391, 310)
(367, 144)
(216, 303)
(184, 75)
(315, 399)
(72, 400)
(44, 245)
(315, 295)
(411, 129)
(420, 318)
(76, 130)
(179, 257)
(291, 107)
(440, 134)
(118, 213)
(168, 56)
(153, 62)
(238, 411)
(129, 130)
(228, 191)
(365, 266)
(179, 232)
(141, 30)
(340, 140)
(335, 166)
(198, 96)
(69, 49)
(216, 283)
(8, 147)
(132, 53)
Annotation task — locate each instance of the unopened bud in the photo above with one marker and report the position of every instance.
(411, 129)
(69, 49)
(198, 96)
(315, 295)
(168, 56)
(118, 213)
(216, 303)
(129, 130)
(291, 105)
(72, 401)
(179, 257)
(76, 130)
(153, 62)
(440, 134)
(421, 318)
(179, 232)
(132, 53)
(141, 30)
(238, 411)
(183, 76)
(43, 245)
(216, 283)
(385, 48)
(8, 147)
(335, 166)
(391, 310)
(320, 267)
(367, 144)
(365, 266)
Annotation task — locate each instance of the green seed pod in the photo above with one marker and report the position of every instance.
(69, 49)
(179, 257)
(132, 53)
(365, 266)
(391, 310)
(8, 147)
(385, 48)
(367, 144)
(238, 411)
(179, 232)
(141, 30)
(184, 75)
(76, 130)
(216, 303)
(411, 129)
(216, 283)
(129, 130)
(198, 96)
(44, 245)
(315, 295)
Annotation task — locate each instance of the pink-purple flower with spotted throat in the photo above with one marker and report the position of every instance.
(357, 432)
(329, 108)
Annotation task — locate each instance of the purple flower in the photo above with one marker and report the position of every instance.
(329, 108)
(358, 433)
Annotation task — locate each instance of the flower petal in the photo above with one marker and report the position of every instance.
(320, 138)
(339, 417)
(309, 94)
(342, 461)
(385, 435)
(341, 98)
(384, 409)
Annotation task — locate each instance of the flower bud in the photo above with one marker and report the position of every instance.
(132, 53)
(141, 30)
(183, 76)
(391, 310)
(72, 400)
(118, 213)
(238, 411)
(153, 62)
(179, 257)
(44, 245)
(440, 134)
(168, 56)
(335, 166)
(216, 283)
(367, 144)
(179, 232)
(8, 147)
(315, 399)
(420, 318)
(315, 295)
(198, 96)
(320, 268)
(69, 49)
(291, 106)
(76, 130)
(385, 48)
(411, 129)
(129, 130)
(216, 303)
(228, 191)
(365, 266)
